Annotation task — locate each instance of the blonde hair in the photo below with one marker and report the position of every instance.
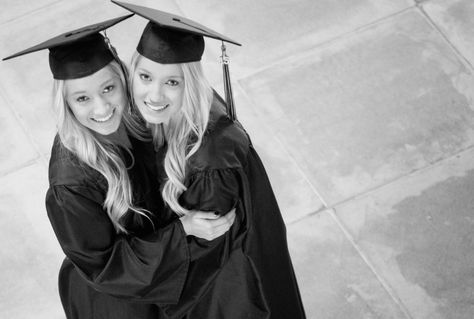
(101, 154)
(185, 131)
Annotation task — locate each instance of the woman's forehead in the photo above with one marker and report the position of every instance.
(91, 82)
(159, 68)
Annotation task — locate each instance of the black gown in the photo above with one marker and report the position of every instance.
(105, 274)
(247, 273)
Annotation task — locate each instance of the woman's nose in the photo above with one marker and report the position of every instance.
(102, 106)
(156, 94)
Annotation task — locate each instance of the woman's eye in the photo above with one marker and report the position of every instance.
(144, 77)
(172, 82)
(82, 99)
(108, 89)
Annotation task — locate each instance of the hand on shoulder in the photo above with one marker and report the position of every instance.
(207, 225)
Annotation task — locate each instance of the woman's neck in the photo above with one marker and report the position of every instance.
(164, 129)
(120, 137)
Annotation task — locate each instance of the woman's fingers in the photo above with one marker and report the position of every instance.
(207, 225)
(218, 227)
(223, 224)
(205, 215)
(211, 214)
(225, 221)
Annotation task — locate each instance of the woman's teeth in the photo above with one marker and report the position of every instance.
(156, 107)
(104, 119)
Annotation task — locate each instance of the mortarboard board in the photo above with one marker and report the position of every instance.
(169, 39)
(77, 53)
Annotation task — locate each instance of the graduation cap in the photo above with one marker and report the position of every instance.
(79, 53)
(170, 39)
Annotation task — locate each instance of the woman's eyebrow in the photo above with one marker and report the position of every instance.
(106, 82)
(78, 92)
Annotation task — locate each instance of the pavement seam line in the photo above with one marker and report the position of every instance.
(349, 237)
(309, 215)
(389, 183)
(19, 167)
(444, 36)
(293, 160)
(32, 12)
(23, 127)
(391, 292)
(392, 181)
(345, 35)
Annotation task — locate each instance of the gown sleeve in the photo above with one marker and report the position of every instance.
(150, 269)
(214, 190)
(210, 190)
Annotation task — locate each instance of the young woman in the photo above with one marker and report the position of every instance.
(208, 162)
(124, 255)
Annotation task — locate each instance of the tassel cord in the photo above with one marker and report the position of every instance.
(227, 84)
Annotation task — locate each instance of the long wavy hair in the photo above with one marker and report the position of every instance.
(99, 153)
(185, 131)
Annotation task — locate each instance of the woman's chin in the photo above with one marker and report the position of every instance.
(152, 119)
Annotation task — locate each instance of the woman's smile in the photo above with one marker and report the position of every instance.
(105, 118)
(156, 107)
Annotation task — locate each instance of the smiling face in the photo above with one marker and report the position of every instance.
(157, 90)
(97, 101)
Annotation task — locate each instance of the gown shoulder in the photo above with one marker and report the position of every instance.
(225, 144)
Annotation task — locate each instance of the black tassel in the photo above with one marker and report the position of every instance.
(229, 98)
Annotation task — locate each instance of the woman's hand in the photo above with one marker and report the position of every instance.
(207, 225)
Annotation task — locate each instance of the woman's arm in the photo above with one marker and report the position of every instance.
(150, 269)
(219, 191)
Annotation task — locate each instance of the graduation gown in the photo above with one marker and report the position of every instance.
(247, 273)
(105, 274)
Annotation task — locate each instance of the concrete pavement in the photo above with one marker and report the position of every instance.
(362, 111)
